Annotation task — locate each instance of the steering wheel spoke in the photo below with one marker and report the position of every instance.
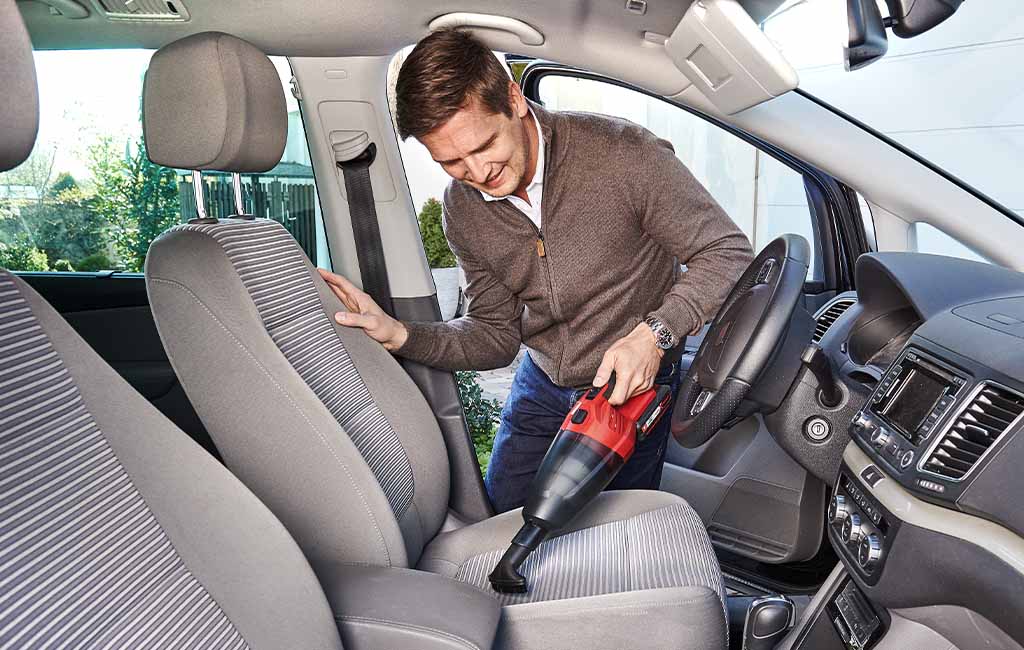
(752, 323)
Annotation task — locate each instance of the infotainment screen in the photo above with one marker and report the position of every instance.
(914, 401)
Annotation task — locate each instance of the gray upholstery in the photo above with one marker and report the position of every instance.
(271, 428)
(273, 270)
(667, 547)
(631, 543)
(677, 618)
(213, 101)
(115, 526)
(404, 609)
(19, 101)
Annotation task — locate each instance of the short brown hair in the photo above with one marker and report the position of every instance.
(443, 73)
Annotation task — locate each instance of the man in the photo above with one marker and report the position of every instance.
(570, 228)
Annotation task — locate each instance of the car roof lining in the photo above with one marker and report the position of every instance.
(335, 28)
(593, 34)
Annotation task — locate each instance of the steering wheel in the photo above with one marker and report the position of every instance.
(742, 341)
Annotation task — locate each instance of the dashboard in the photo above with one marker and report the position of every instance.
(927, 506)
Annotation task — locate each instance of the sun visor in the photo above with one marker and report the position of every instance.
(727, 57)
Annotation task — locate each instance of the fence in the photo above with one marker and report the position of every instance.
(290, 201)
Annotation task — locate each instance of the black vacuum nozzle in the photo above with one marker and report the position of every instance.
(506, 578)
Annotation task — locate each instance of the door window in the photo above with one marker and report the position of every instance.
(764, 197)
(88, 199)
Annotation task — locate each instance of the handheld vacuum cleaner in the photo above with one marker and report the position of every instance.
(594, 442)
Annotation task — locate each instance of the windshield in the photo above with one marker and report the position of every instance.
(952, 95)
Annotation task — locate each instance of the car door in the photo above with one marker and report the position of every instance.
(757, 502)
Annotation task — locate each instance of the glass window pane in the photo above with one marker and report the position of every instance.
(88, 199)
(951, 95)
(764, 197)
(930, 239)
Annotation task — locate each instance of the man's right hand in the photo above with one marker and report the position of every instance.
(365, 313)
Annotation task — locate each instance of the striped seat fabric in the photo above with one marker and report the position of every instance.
(83, 560)
(273, 270)
(666, 547)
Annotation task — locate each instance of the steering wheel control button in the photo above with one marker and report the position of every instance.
(701, 402)
(853, 529)
(869, 551)
(817, 429)
(838, 509)
(765, 272)
(906, 459)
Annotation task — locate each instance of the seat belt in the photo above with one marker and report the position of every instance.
(354, 154)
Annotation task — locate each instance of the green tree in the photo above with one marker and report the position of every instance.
(481, 414)
(64, 181)
(137, 198)
(65, 226)
(439, 255)
(95, 262)
(22, 257)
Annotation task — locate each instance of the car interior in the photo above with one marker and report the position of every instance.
(194, 454)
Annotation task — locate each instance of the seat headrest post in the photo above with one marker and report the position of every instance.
(200, 193)
(236, 185)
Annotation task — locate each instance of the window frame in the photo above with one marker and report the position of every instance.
(835, 221)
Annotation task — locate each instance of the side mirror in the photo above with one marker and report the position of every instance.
(913, 17)
(867, 41)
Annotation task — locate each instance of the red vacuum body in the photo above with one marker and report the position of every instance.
(594, 442)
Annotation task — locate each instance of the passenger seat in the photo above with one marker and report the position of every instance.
(325, 426)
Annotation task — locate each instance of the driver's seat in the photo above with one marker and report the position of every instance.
(325, 426)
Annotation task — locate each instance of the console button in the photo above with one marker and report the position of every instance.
(838, 509)
(579, 416)
(906, 459)
(869, 551)
(853, 529)
(880, 438)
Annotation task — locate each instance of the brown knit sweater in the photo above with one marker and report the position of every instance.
(619, 208)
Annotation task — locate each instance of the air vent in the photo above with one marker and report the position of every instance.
(143, 10)
(826, 318)
(990, 414)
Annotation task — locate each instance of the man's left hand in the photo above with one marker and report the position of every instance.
(635, 358)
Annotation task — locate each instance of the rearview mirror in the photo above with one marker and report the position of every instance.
(867, 40)
(910, 18)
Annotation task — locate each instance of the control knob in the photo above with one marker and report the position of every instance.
(838, 509)
(869, 552)
(880, 438)
(853, 529)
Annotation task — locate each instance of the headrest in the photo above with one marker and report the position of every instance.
(19, 97)
(214, 101)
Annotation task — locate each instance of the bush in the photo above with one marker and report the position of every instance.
(95, 262)
(439, 255)
(482, 415)
(22, 257)
(63, 266)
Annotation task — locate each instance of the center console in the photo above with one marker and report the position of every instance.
(859, 526)
(905, 413)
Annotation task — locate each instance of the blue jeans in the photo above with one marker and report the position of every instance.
(531, 417)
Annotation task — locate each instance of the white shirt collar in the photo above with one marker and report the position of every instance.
(538, 172)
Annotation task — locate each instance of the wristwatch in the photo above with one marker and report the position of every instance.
(663, 336)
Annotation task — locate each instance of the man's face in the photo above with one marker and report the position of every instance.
(489, 151)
